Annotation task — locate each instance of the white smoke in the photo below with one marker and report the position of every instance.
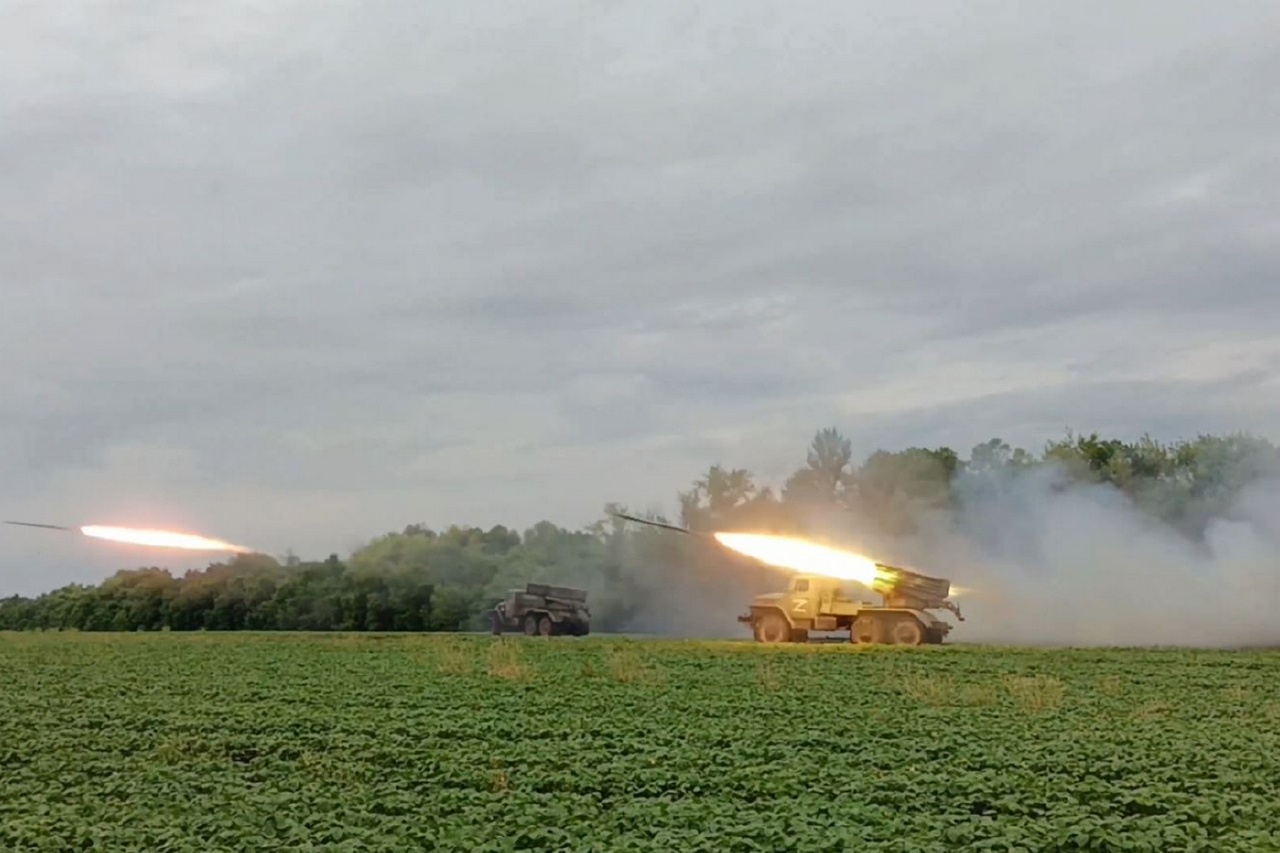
(1042, 559)
(1050, 563)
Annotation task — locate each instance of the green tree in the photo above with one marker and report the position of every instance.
(827, 475)
(895, 489)
(714, 498)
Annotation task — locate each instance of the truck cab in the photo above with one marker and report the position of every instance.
(811, 596)
(809, 603)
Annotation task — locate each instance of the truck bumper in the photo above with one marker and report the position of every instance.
(745, 619)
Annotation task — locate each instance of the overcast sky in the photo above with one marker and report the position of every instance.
(299, 277)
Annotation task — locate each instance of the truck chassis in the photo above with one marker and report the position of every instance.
(872, 626)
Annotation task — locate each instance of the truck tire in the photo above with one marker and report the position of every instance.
(907, 631)
(531, 625)
(546, 627)
(866, 630)
(773, 627)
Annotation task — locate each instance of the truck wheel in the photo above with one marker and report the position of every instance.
(866, 631)
(546, 627)
(907, 632)
(531, 625)
(772, 628)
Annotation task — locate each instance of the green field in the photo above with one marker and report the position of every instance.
(163, 742)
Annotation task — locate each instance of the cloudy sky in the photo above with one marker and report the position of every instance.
(302, 276)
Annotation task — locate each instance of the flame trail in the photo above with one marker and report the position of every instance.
(802, 555)
(161, 539)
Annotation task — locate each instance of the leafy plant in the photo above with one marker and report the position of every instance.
(180, 742)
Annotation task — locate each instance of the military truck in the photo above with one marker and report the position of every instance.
(542, 609)
(823, 604)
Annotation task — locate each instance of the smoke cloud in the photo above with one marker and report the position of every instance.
(698, 591)
(1041, 559)
(1081, 565)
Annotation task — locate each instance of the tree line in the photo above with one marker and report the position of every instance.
(642, 579)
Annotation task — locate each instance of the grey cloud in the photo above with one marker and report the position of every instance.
(489, 262)
(1172, 409)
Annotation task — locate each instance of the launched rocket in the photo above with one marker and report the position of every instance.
(145, 537)
(661, 524)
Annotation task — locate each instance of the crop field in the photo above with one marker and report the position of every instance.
(163, 742)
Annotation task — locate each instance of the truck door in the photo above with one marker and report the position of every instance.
(801, 603)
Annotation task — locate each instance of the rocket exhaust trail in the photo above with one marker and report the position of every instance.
(145, 537)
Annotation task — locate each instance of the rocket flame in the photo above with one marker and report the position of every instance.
(803, 556)
(161, 539)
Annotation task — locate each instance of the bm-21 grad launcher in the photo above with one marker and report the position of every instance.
(820, 603)
(825, 604)
(543, 609)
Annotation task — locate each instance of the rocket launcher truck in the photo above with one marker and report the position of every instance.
(819, 603)
(542, 609)
(825, 604)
